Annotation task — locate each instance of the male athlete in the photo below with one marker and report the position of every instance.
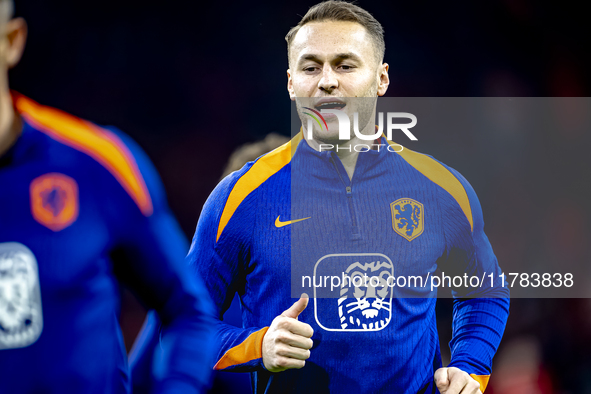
(301, 207)
(81, 207)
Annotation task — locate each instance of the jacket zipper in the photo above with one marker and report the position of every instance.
(349, 191)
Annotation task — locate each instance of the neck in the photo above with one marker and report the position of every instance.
(345, 150)
(10, 123)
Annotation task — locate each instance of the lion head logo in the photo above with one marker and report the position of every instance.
(20, 303)
(364, 302)
(15, 304)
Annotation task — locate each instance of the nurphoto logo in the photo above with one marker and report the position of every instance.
(345, 126)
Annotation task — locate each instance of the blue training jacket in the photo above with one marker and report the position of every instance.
(293, 213)
(82, 209)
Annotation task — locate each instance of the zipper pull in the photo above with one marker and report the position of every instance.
(348, 188)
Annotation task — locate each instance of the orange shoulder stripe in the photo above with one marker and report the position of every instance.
(482, 379)
(261, 170)
(439, 175)
(98, 143)
(250, 349)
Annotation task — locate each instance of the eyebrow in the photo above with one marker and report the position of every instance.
(339, 56)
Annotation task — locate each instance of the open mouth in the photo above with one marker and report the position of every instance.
(330, 105)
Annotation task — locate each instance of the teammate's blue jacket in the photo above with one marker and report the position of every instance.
(294, 212)
(81, 208)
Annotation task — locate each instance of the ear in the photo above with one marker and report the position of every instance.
(384, 79)
(16, 32)
(292, 94)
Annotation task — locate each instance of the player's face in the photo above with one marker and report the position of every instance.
(12, 39)
(12, 43)
(331, 62)
(3, 39)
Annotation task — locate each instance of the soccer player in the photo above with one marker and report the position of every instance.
(82, 208)
(413, 211)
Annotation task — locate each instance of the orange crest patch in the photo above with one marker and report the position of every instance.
(54, 200)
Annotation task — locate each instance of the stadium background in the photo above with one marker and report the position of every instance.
(192, 82)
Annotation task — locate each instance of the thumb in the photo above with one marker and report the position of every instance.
(441, 378)
(297, 308)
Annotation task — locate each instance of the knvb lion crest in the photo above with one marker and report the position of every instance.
(408, 218)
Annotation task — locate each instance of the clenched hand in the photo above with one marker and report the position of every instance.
(455, 381)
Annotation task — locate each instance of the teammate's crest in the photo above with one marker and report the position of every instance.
(21, 317)
(408, 218)
(54, 200)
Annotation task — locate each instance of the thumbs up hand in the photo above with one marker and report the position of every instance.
(287, 342)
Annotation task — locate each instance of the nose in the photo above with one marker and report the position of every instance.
(329, 80)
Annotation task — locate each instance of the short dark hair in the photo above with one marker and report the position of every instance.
(342, 11)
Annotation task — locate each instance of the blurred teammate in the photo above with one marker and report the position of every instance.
(81, 208)
(141, 356)
(251, 151)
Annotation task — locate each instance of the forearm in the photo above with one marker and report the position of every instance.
(239, 349)
(175, 357)
(478, 327)
(183, 357)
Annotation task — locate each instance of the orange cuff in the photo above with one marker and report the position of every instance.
(250, 349)
(482, 379)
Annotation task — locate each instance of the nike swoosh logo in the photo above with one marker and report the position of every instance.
(279, 223)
